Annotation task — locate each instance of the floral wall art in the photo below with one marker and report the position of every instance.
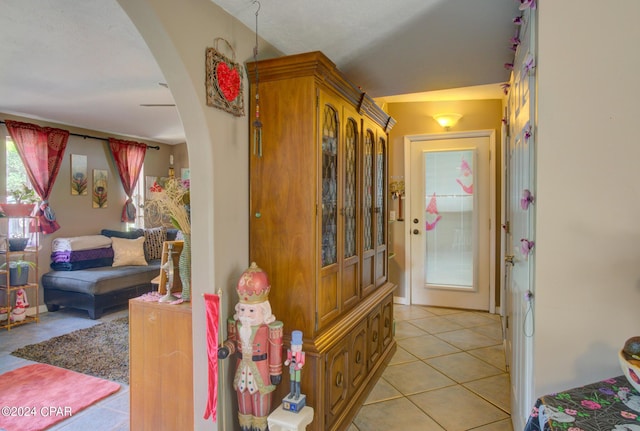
(79, 179)
(100, 188)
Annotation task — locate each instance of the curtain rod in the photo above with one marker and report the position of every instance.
(153, 147)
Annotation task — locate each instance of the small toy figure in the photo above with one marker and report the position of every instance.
(256, 336)
(295, 362)
(19, 312)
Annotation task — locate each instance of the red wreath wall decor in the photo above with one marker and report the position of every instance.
(224, 80)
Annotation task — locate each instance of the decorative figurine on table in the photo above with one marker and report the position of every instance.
(294, 402)
(168, 268)
(19, 311)
(256, 336)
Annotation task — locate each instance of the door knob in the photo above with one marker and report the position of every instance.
(416, 231)
(509, 259)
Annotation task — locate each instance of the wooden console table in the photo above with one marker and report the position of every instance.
(160, 366)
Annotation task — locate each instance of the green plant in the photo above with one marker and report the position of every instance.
(24, 194)
(19, 265)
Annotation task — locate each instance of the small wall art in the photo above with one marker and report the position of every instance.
(100, 188)
(224, 80)
(79, 179)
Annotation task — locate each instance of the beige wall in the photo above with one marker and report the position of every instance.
(75, 214)
(178, 34)
(587, 275)
(416, 118)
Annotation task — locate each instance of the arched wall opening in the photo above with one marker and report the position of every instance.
(178, 34)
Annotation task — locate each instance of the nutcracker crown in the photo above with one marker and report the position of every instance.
(253, 286)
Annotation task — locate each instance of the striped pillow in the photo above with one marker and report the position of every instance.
(153, 240)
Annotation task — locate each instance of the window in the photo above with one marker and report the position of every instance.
(16, 175)
(138, 201)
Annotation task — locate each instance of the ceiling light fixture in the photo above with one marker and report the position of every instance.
(447, 120)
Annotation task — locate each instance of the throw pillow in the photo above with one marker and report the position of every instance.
(128, 251)
(153, 240)
(130, 234)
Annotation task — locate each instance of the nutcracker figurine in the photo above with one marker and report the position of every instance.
(295, 361)
(256, 337)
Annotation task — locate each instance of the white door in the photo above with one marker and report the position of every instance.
(449, 222)
(520, 238)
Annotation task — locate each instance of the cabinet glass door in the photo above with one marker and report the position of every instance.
(368, 218)
(350, 271)
(350, 188)
(381, 210)
(329, 186)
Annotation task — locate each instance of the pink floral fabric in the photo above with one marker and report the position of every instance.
(41, 150)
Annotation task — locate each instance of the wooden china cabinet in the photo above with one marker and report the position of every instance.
(318, 226)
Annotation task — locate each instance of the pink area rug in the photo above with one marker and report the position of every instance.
(37, 396)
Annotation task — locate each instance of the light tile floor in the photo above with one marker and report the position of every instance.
(448, 373)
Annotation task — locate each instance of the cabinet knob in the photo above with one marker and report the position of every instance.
(339, 379)
(375, 336)
(358, 357)
(416, 232)
(387, 322)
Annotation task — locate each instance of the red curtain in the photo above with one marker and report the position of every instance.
(41, 150)
(129, 157)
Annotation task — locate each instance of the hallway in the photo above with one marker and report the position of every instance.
(448, 374)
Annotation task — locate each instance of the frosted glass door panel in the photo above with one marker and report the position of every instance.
(449, 219)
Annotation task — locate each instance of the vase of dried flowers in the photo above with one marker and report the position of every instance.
(171, 199)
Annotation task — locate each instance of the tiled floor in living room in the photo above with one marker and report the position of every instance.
(448, 374)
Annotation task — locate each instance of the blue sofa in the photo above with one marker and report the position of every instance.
(99, 288)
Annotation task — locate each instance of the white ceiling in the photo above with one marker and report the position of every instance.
(82, 62)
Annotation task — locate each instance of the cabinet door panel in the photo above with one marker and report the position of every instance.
(387, 321)
(337, 383)
(328, 296)
(358, 358)
(373, 334)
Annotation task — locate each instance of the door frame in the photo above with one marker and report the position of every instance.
(408, 141)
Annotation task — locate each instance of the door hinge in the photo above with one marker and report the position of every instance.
(506, 322)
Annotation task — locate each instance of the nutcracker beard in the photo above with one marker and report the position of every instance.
(245, 330)
(253, 409)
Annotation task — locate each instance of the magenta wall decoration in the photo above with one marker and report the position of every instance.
(526, 246)
(526, 199)
(527, 131)
(527, 4)
(435, 216)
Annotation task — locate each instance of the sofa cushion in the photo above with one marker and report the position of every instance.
(97, 281)
(172, 233)
(132, 234)
(128, 251)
